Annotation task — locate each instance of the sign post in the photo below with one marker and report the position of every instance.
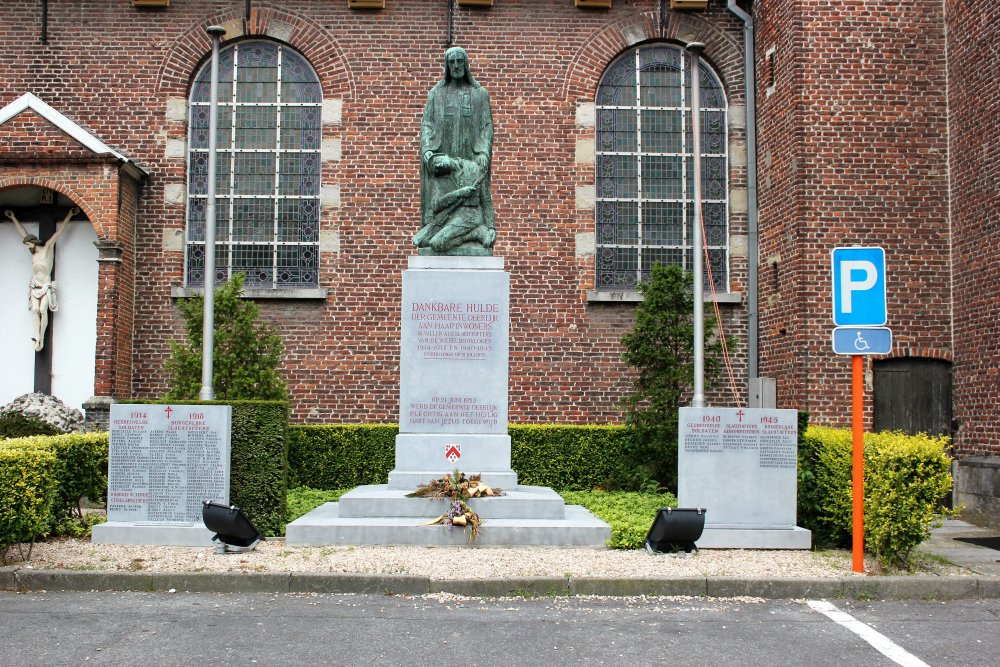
(859, 313)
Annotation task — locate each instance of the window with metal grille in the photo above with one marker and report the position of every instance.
(645, 184)
(267, 170)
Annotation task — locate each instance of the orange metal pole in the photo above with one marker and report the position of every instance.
(858, 468)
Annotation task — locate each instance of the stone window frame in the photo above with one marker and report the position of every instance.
(281, 260)
(607, 206)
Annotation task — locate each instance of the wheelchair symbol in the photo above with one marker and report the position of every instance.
(861, 344)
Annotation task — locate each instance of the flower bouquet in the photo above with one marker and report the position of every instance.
(457, 488)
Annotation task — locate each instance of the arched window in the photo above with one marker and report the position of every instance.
(268, 168)
(645, 186)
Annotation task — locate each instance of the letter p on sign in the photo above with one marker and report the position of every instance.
(859, 293)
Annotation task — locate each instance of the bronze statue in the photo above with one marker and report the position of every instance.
(456, 148)
(41, 289)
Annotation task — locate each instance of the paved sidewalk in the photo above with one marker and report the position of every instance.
(944, 542)
(983, 583)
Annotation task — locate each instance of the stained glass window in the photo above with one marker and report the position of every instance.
(268, 167)
(645, 158)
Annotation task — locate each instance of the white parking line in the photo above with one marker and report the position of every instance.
(883, 644)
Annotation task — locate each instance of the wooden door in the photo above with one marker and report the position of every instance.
(913, 395)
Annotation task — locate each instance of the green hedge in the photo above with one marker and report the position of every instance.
(81, 469)
(563, 457)
(258, 481)
(341, 456)
(27, 492)
(569, 457)
(906, 477)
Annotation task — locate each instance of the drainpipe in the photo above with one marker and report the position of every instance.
(450, 38)
(750, 84)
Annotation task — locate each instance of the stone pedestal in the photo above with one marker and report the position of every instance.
(453, 415)
(453, 371)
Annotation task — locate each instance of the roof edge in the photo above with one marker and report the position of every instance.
(61, 121)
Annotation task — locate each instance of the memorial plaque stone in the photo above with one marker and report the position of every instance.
(164, 460)
(741, 465)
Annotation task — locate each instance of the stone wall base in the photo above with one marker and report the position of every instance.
(977, 487)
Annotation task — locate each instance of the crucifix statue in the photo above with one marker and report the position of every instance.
(41, 289)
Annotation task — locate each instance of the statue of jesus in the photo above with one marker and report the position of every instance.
(456, 149)
(41, 289)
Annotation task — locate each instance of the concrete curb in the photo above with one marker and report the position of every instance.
(856, 587)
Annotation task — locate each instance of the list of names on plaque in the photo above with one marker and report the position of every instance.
(767, 433)
(164, 461)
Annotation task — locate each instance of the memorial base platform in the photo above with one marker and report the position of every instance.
(754, 538)
(526, 515)
(162, 534)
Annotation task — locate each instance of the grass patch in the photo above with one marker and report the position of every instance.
(630, 514)
(302, 500)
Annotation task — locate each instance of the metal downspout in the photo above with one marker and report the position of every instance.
(750, 85)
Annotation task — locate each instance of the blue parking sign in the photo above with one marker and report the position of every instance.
(859, 293)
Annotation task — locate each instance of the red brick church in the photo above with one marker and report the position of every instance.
(824, 124)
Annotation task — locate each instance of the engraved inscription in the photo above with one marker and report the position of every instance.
(459, 331)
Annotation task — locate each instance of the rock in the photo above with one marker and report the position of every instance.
(48, 409)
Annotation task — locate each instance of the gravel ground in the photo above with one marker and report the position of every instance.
(443, 562)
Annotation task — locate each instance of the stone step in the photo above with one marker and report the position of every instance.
(325, 526)
(408, 480)
(524, 502)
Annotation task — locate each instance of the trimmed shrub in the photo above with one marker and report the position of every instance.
(27, 491)
(905, 479)
(258, 480)
(570, 457)
(341, 456)
(630, 515)
(81, 470)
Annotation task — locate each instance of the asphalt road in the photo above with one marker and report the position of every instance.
(107, 628)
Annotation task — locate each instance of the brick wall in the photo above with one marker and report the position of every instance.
(853, 150)
(120, 71)
(974, 103)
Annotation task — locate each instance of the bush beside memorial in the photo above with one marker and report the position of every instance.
(570, 458)
(27, 491)
(81, 470)
(559, 456)
(258, 480)
(906, 478)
